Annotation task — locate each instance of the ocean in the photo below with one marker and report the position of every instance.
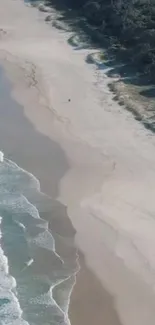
(35, 282)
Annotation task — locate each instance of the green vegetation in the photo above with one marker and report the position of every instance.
(127, 26)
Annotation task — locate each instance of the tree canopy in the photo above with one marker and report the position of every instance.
(130, 26)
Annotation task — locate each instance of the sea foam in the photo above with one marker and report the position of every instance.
(15, 184)
(10, 310)
(1, 156)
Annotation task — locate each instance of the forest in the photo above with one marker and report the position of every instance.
(127, 26)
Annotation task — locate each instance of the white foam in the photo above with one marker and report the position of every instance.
(30, 208)
(35, 181)
(11, 309)
(46, 240)
(65, 308)
(47, 299)
(1, 156)
(18, 202)
(64, 311)
(21, 225)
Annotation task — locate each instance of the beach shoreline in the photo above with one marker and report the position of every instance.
(105, 179)
(83, 306)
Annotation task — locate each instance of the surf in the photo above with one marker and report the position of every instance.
(10, 310)
(1, 156)
(25, 235)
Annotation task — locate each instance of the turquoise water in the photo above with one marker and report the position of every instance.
(35, 282)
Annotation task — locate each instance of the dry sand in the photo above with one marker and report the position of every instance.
(109, 188)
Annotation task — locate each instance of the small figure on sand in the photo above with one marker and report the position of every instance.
(69, 99)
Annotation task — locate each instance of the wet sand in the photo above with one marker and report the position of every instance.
(90, 301)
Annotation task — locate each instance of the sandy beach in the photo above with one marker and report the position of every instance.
(89, 154)
(42, 156)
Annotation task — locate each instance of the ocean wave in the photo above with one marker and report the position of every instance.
(17, 210)
(10, 310)
(1, 156)
(47, 298)
(14, 179)
(46, 240)
(34, 182)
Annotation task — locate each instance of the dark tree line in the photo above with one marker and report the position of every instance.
(130, 24)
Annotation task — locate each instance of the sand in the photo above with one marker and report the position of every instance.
(106, 176)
